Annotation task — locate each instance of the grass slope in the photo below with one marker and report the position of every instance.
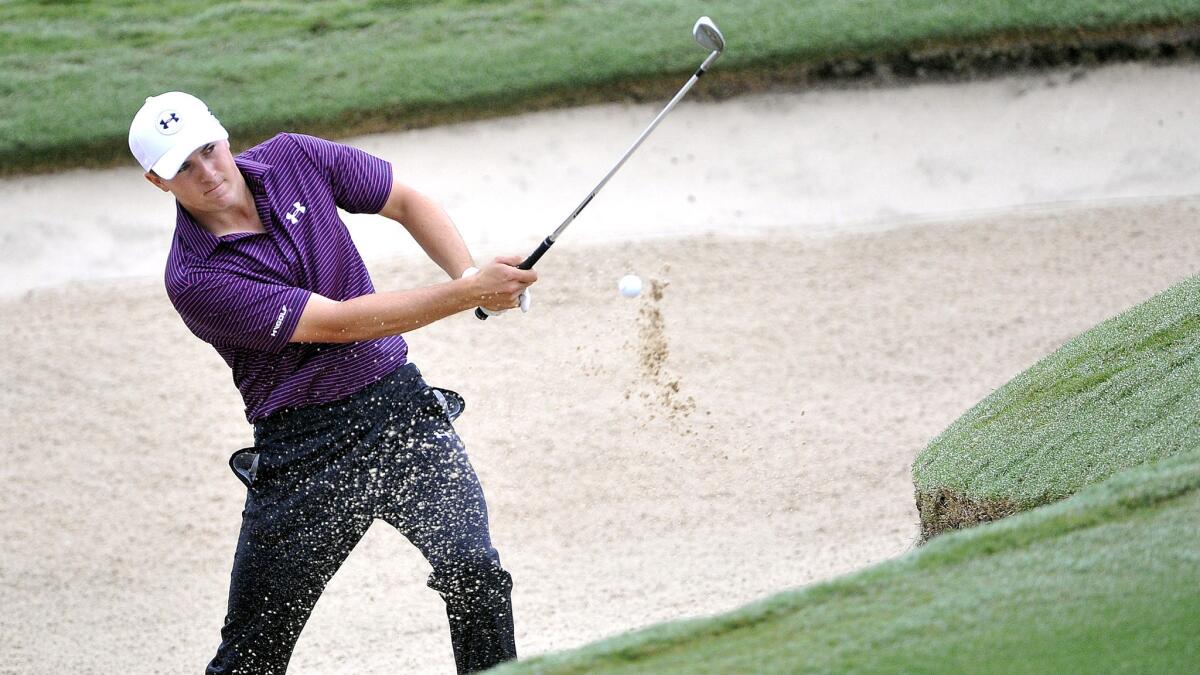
(73, 73)
(1106, 581)
(1125, 392)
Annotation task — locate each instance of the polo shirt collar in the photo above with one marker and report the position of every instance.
(201, 240)
(255, 174)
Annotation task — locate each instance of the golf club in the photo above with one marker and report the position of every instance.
(708, 36)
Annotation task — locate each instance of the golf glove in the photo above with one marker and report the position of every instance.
(522, 300)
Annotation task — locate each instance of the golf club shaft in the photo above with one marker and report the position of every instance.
(678, 96)
(534, 257)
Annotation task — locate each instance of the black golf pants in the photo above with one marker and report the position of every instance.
(318, 477)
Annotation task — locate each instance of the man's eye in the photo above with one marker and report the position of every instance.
(183, 168)
(208, 149)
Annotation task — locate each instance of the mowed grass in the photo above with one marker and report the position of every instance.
(73, 73)
(1123, 393)
(1106, 581)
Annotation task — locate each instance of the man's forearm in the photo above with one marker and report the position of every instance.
(382, 314)
(497, 286)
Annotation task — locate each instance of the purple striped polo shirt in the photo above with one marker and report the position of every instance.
(243, 293)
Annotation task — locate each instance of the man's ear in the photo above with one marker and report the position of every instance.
(157, 181)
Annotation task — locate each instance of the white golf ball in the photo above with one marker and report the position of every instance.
(630, 285)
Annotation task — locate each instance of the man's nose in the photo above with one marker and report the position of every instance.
(208, 170)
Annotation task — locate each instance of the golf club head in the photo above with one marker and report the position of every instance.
(708, 35)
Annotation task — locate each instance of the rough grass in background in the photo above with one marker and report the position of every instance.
(1106, 581)
(1123, 393)
(73, 73)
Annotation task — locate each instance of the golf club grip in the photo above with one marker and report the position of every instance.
(536, 255)
(526, 264)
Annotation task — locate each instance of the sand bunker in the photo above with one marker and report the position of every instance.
(816, 161)
(818, 368)
(746, 426)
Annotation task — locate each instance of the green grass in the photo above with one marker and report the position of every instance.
(1123, 393)
(73, 73)
(1106, 581)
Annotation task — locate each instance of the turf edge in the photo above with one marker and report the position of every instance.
(981, 56)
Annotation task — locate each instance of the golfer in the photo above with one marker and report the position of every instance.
(345, 429)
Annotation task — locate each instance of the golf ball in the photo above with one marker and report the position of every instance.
(630, 285)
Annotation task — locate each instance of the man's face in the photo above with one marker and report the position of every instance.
(206, 180)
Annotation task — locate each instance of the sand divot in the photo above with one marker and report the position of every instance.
(659, 387)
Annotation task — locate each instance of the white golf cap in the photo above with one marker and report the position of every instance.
(168, 128)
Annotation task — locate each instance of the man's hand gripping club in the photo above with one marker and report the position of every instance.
(500, 285)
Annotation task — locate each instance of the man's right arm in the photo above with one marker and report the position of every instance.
(497, 286)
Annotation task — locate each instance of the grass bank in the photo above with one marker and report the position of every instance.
(1106, 581)
(73, 73)
(1123, 393)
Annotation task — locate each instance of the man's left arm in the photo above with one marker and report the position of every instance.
(430, 226)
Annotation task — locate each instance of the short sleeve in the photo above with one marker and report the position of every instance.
(361, 182)
(228, 310)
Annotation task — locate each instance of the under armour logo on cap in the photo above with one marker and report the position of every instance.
(169, 122)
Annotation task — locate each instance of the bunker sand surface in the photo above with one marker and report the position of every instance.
(817, 366)
(826, 160)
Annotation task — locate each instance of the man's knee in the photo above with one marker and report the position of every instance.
(469, 581)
